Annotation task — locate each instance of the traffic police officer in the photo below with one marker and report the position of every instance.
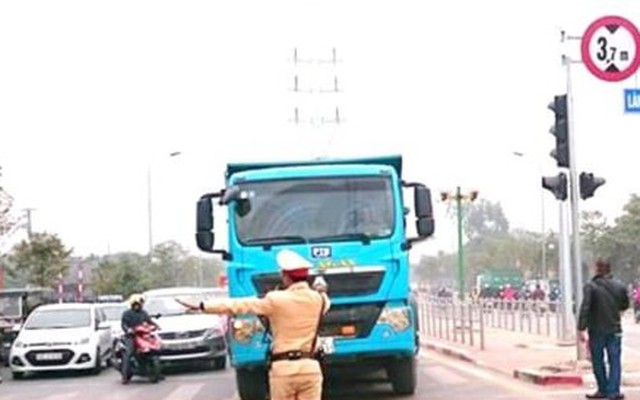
(293, 314)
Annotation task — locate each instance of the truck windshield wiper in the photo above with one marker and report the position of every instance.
(267, 242)
(363, 237)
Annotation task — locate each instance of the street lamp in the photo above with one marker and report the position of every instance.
(458, 197)
(149, 211)
(543, 228)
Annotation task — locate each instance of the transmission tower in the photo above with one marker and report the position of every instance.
(317, 90)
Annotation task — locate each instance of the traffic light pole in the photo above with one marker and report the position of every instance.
(567, 320)
(573, 201)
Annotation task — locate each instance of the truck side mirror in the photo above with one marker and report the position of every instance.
(205, 237)
(425, 225)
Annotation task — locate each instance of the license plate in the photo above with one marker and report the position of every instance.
(180, 346)
(327, 344)
(49, 356)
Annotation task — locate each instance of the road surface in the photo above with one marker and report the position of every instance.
(439, 378)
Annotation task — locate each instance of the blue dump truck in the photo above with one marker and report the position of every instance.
(349, 218)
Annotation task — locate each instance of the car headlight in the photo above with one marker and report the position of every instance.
(244, 329)
(82, 341)
(398, 318)
(212, 333)
(20, 345)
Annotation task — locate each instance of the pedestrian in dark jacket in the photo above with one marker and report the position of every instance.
(603, 301)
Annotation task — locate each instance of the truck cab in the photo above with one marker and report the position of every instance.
(349, 218)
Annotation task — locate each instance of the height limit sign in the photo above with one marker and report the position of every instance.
(610, 48)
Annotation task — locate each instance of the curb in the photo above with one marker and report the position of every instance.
(449, 351)
(527, 375)
(544, 379)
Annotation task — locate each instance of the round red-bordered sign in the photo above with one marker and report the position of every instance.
(611, 48)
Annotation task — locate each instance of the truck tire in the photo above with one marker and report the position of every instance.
(403, 376)
(252, 383)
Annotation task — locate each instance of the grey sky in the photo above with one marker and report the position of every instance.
(92, 92)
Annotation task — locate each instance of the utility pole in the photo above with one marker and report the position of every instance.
(458, 197)
(460, 243)
(29, 226)
(149, 205)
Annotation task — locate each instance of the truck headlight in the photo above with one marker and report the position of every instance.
(398, 318)
(244, 329)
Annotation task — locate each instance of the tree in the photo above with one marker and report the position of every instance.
(485, 218)
(168, 266)
(619, 243)
(121, 273)
(7, 219)
(41, 259)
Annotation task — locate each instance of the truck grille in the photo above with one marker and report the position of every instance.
(340, 285)
(34, 355)
(361, 316)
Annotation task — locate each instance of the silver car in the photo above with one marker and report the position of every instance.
(187, 336)
(113, 312)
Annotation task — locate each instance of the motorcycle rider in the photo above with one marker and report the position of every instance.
(132, 318)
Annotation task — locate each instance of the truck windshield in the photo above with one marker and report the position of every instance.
(316, 209)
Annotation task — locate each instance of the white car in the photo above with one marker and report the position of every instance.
(187, 336)
(71, 336)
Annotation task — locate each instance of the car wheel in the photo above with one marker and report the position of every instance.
(220, 362)
(108, 363)
(17, 375)
(98, 367)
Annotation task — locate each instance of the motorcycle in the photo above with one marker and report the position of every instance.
(145, 360)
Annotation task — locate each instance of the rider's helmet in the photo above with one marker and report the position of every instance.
(136, 298)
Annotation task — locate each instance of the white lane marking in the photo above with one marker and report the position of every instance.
(185, 391)
(60, 396)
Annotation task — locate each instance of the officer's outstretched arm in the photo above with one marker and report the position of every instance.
(248, 305)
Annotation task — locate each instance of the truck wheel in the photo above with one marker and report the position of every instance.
(252, 383)
(403, 376)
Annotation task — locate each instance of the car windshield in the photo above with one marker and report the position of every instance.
(302, 210)
(59, 319)
(168, 306)
(114, 313)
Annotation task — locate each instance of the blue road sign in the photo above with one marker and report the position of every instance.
(632, 100)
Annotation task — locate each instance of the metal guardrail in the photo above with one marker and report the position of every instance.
(466, 322)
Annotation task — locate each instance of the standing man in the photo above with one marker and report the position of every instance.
(294, 314)
(604, 300)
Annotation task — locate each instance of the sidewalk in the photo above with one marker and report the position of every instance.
(536, 359)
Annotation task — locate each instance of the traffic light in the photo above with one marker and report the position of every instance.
(560, 130)
(556, 185)
(444, 196)
(588, 184)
